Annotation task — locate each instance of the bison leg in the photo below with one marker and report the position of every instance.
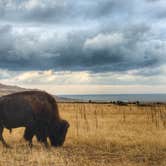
(28, 135)
(41, 135)
(45, 141)
(2, 139)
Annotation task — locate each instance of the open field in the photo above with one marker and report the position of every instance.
(99, 135)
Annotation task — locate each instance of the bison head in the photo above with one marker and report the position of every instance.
(58, 133)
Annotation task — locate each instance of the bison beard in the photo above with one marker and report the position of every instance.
(37, 111)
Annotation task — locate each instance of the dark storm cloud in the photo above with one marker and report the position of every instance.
(152, 0)
(64, 11)
(103, 52)
(106, 35)
(157, 9)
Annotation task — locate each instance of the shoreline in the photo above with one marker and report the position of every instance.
(139, 103)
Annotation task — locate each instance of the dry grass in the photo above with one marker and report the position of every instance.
(99, 135)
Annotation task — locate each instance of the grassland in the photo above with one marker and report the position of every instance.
(99, 135)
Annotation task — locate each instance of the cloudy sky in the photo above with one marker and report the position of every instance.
(84, 46)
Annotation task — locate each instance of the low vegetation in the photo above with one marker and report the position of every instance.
(99, 135)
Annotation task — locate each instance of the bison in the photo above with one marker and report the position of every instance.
(37, 111)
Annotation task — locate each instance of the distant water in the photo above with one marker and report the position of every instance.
(120, 97)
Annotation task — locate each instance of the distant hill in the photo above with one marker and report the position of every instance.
(8, 89)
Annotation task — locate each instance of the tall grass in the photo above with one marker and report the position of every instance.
(99, 135)
(135, 132)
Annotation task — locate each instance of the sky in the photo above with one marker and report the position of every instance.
(84, 46)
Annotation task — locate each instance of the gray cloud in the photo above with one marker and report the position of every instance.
(99, 53)
(65, 11)
(96, 36)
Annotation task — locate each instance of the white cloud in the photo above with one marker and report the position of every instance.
(85, 82)
(47, 77)
(30, 4)
(5, 74)
(102, 41)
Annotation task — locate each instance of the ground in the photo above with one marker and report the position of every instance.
(99, 135)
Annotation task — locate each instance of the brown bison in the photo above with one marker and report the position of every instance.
(37, 111)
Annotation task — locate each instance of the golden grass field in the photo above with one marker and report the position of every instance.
(99, 135)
